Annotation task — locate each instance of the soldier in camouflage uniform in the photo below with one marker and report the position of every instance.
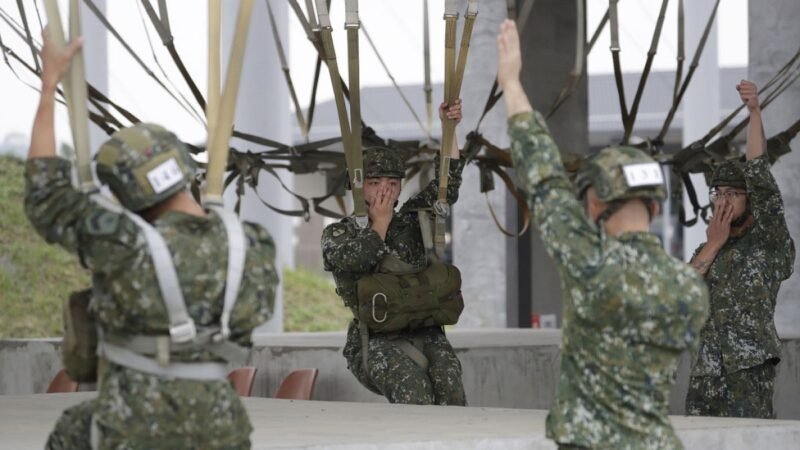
(351, 252)
(629, 309)
(136, 409)
(747, 255)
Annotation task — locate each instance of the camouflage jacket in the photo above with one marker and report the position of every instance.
(350, 252)
(128, 300)
(744, 280)
(629, 310)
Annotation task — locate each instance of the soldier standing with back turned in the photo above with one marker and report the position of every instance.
(161, 384)
(749, 252)
(629, 308)
(415, 365)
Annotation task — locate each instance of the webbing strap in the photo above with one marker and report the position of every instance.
(413, 352)
(628, 125)
(350, 127)
(454, 76)
(426, 40)
(615, 50)
(74, 86)
(681, 49)
(219, 136)
(298, 111)
(352, 26)
(695, 62)
(237, 250)
(206, 340)
(424, 217)
(28, 36)
(181, 325)
(192, 371)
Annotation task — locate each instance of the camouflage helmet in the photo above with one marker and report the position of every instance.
(144, 165)
(728, 173)
(621, 173)
(384, 162)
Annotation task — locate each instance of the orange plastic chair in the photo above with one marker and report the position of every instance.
(242, 380)
(62, 383)
(298, 385)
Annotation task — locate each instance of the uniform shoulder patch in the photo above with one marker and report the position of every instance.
(102, 223)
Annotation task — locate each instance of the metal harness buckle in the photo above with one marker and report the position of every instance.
(385, 300)
(441, 209)
(183, 332)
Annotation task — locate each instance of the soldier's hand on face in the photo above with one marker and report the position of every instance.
(748, 92)
(381, 206)
(56, 59)
(719, 229)
(509, 56)
(450, 112)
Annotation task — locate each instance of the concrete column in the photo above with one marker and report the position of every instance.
(774, 37)
(478, 246)
(548, 55)
(95, 51)
(700, 110)
(263, 109)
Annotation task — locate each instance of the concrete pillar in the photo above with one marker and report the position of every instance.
(478, 246)
(548, 55)
(263, 109)
(700, 110)
(774, 37)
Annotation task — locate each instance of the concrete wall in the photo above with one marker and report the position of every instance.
(774, 36)
(502, 368)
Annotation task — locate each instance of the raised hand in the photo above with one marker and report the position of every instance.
(748, 92)
(451, 112)
(56, 59)
(509, 57)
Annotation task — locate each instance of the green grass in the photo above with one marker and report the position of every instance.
(310, 303)
(36, 277)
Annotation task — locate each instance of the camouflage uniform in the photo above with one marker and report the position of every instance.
(629, 311)
(350, 253)
(733, 373)
(134, 409)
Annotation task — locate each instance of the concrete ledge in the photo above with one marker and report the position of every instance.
(506, 368)
(25, 422)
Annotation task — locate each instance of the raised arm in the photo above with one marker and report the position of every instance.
(568, 235)
(756, 141)
(55, 63)
(427, 196)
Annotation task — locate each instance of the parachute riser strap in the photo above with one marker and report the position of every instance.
(74, 86)
(220, 135)
(454, 76)
(352, 26)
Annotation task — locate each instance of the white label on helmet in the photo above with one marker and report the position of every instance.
(165, 175)
(646, 174)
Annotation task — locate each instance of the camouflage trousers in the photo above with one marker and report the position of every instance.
(744, 393)
(395, 375)
(74, 428)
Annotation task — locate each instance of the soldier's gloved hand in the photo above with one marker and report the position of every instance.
(56, 59)
(719, 228)
(748, 92)
(452, 112)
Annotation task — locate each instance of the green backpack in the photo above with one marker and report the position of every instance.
(398, 297)
(79, 349)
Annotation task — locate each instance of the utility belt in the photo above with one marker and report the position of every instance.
(84, 341)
